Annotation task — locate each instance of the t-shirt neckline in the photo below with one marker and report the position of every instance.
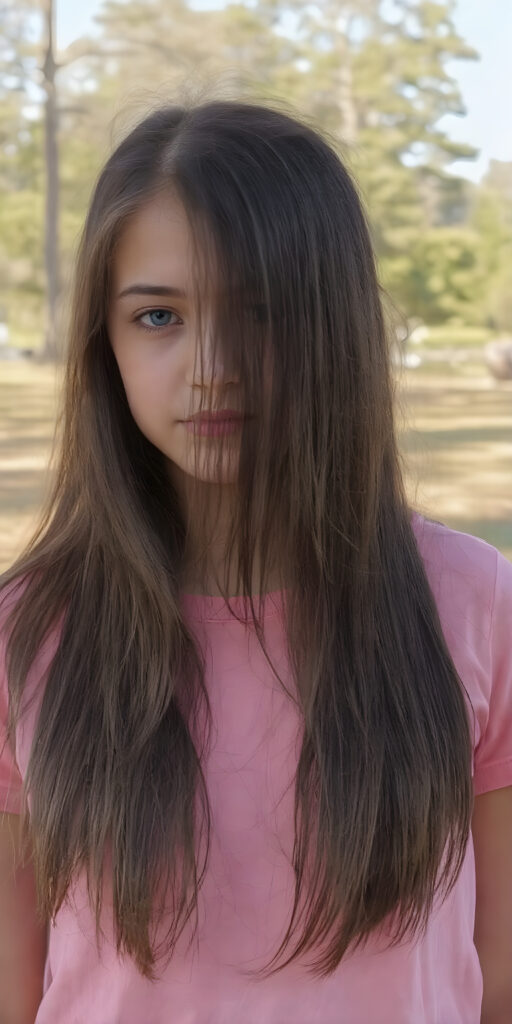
(213, 607)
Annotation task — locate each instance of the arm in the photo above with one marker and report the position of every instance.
(22, 937)
(492, 838)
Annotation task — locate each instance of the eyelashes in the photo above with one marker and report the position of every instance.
(154, 312)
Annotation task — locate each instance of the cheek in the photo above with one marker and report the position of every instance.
(148, 390)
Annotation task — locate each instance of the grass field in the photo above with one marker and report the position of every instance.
(455, 430)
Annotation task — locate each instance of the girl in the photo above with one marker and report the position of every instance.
(249, 694)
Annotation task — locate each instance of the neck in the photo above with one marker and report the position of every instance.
(212, 579)
(205, 557)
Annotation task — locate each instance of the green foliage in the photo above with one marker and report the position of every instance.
(445, 279)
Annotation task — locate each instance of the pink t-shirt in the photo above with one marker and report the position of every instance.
(245, 901)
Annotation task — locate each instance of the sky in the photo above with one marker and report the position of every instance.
(486, 84)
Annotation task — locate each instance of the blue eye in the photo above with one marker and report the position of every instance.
(160, 317)
(157, 318)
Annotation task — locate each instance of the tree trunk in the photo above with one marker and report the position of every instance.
(51, 254)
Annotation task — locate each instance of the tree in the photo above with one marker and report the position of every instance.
(491, 219)
(29, 151)
(393, 90)
(371, 73)
(21, 169)
(51, 248)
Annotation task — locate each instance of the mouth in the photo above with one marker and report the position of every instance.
(222, 416)
(221, 423)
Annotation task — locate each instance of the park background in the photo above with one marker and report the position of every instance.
(417, 92)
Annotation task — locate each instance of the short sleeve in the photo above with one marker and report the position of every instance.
(493, 754)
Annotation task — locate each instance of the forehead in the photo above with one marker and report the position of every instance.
(155, 245)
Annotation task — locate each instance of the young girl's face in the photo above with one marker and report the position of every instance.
(153, 335)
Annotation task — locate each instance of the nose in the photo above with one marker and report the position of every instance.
(211, 372)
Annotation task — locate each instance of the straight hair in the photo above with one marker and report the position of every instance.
(383, 792)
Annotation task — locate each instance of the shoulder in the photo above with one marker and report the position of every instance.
(42, 655)
(464, 572)
(10, 594)
(462, 553)
(472, 585)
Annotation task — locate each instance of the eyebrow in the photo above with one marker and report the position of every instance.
(153, 289)
(158, 289)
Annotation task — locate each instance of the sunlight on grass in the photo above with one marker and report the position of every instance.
(28, 408)
(456, 440)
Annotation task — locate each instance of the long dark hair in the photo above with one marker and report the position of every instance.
(383, 794)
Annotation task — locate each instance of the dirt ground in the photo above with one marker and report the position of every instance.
(455, 433)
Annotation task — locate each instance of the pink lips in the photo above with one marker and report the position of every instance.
(227, 421)
(214, 417)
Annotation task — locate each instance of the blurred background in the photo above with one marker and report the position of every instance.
(418, 94)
